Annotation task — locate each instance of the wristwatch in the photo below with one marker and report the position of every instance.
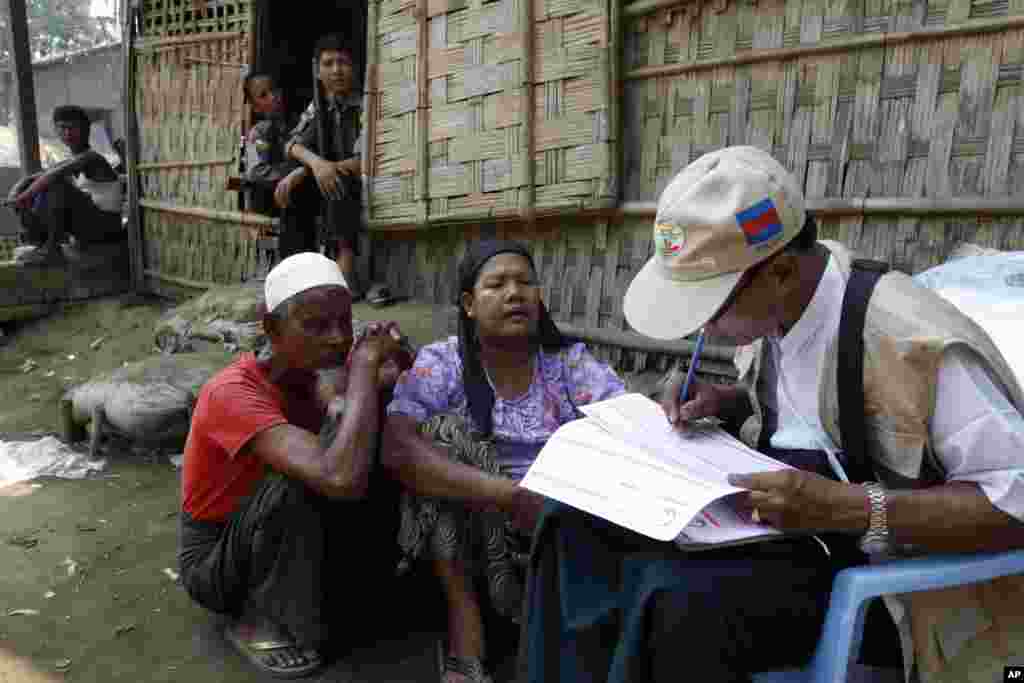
(876, 540)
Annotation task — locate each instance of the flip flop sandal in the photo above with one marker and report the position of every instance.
(42, 257)
(279, 658)
(466, 669)
(380, 296)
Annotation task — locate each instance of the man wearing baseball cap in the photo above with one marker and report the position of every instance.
(292, 536)
(901, 419)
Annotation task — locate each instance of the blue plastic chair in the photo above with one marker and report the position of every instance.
(853, 588)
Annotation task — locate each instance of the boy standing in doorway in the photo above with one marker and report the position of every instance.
(327, 145)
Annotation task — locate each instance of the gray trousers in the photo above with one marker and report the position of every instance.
(64, 209)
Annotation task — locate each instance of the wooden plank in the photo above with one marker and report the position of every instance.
(25, 117)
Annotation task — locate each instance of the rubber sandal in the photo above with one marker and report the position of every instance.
(380, 296)
(272, 655)
(42, 257)
(460, 669)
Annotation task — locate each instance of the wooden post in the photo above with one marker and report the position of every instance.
(131, 146)
(25, 119)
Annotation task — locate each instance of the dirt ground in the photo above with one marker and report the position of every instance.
(88, 560)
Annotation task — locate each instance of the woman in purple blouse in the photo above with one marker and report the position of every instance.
(467, 421)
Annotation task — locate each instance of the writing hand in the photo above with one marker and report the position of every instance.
(704, 400)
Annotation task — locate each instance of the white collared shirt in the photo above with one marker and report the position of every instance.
(975, 432)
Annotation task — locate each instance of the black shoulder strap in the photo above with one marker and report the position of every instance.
(864, 275)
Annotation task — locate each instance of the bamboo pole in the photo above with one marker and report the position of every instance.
(528, 190)
(180, 281)
(164, 165)
(423, 114)
(148, 44)
(24, 88)
(615, 150)
(498, 216)
(235, 217)
(638, 342)
(819, 207)
(214, 62)
(370, 96)
(131, 135)
(638, 9)
(908, 206)
(974, 27)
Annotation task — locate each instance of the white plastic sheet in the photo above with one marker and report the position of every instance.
(989, 289)
(45, 457)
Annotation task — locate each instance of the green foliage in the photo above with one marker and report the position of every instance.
(57, 27)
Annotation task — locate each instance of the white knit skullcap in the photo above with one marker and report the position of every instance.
(296, 274)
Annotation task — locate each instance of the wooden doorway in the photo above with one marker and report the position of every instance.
(285, 40)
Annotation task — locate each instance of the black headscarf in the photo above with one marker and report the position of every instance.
(479, 393)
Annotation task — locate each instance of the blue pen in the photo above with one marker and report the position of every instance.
(692, 372)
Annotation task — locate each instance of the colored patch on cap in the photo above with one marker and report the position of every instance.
(668, 239)
(760, 223)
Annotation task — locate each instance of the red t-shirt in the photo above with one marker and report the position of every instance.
(238, 403)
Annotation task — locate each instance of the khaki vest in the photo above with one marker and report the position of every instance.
(959, 634)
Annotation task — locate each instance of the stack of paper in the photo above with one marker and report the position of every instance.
(625, 463)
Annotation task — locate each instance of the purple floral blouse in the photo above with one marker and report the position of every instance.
(434, 385)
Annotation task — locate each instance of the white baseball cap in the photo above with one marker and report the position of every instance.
(296, 274)
(724, 213)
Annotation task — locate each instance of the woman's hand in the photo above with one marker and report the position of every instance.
(525, 507)
(800, 501)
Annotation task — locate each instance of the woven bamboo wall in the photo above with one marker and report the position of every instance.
(505, 81)
(880, 98)
(193, 250)
(166, 18)
(189, 103)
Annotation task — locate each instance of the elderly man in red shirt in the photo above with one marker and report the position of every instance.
(261, 491)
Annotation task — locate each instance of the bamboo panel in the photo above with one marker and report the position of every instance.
(189, 106)
(184, 17)
(857, 100)
(199, 249)
(188, 112)
(474, 90)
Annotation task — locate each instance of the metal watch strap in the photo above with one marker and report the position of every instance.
(876, 539)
